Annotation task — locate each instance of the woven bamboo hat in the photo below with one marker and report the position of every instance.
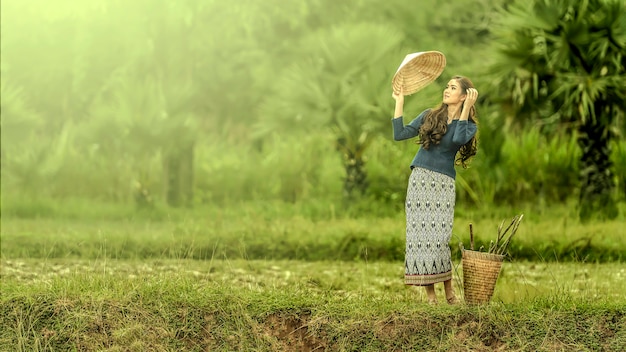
(418, 70)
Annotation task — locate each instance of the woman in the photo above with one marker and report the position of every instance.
(447, 136)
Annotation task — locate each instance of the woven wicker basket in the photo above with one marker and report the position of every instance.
(480, 273)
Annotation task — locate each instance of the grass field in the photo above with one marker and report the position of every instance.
(271, 231)
(230, 305)
(517, 282)
(255, 280)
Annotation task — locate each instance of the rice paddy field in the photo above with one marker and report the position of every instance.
(140, 285)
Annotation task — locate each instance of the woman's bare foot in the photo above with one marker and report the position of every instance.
(452, 300)
(430, 293)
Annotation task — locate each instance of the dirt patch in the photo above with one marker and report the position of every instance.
(294, 333)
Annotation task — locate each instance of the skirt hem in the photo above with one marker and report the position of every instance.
(426, 280)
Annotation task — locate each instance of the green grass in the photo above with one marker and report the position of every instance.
(278, 231)
(267, 277)
(517, 281)
(170, 305)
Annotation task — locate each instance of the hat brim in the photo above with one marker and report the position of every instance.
(418, 70)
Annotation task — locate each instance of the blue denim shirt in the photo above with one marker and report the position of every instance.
(438, 157)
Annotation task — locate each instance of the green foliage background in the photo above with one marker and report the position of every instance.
(227, 102)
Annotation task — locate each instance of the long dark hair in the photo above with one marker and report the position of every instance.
(436, 125)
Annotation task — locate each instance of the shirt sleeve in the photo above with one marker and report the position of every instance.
(401, 132)
(465, 130)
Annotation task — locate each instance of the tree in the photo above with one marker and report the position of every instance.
(335, 86)
(563, 61)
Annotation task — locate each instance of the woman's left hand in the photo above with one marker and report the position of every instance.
(470, 98)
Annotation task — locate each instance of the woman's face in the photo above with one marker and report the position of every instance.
(453, 94)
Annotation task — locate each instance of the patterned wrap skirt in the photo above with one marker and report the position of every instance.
(429, 209)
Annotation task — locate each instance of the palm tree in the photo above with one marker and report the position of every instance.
(335, 87)
(563, 61)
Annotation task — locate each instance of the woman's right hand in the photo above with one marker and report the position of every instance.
(399, 96)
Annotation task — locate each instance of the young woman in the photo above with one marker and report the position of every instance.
(447, 136)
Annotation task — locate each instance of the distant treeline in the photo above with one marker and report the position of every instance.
(192, 102)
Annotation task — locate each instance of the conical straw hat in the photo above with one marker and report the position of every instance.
(418, 70)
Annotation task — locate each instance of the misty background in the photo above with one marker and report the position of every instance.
(156, 104)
